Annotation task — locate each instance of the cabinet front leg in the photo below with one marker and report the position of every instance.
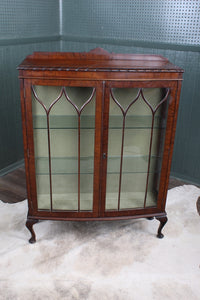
(163, 221)
(29, 225)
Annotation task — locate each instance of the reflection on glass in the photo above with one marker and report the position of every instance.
(64, 122)
(137, 122)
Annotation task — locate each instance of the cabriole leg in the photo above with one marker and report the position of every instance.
(29, 225)
(163, 221)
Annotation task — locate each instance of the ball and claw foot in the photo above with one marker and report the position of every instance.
(163, 221)
(29, 225)
(32, 240)
(160, 235)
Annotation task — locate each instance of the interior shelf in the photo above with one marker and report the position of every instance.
(132, 164)
(69, 165)
(88, 121)
(61, 122)
(134, 121)
(64, 165)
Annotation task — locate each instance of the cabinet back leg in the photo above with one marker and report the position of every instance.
(163, 221)
(29, 225)
(150, 218)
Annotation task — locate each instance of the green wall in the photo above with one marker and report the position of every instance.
(169, 28)
(174, 22)
(25, 26)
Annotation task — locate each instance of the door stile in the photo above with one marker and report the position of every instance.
(166, 161)
(169, 140)
(105, 126)
(30, 147)
(98, 148)
(25, 141)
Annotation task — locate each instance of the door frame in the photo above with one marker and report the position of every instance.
(167, 151)
(29, 148)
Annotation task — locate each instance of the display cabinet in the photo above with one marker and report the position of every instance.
(98, 134)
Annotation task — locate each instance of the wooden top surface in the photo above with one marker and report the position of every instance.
(96, 60)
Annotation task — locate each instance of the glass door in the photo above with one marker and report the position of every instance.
(136, 132)
(64, 146)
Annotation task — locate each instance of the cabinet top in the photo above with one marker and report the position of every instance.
(96, 60)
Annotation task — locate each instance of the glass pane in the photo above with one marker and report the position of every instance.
(64, 122)
(137, 121)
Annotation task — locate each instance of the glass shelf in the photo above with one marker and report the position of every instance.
(62, 122)
(88, 122)
(133, 164)
(64, 165)
(69, 165)
(134, 121)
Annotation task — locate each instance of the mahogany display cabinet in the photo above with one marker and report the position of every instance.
(98, 133)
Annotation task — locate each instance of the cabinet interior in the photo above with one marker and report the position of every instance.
(64, 146)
